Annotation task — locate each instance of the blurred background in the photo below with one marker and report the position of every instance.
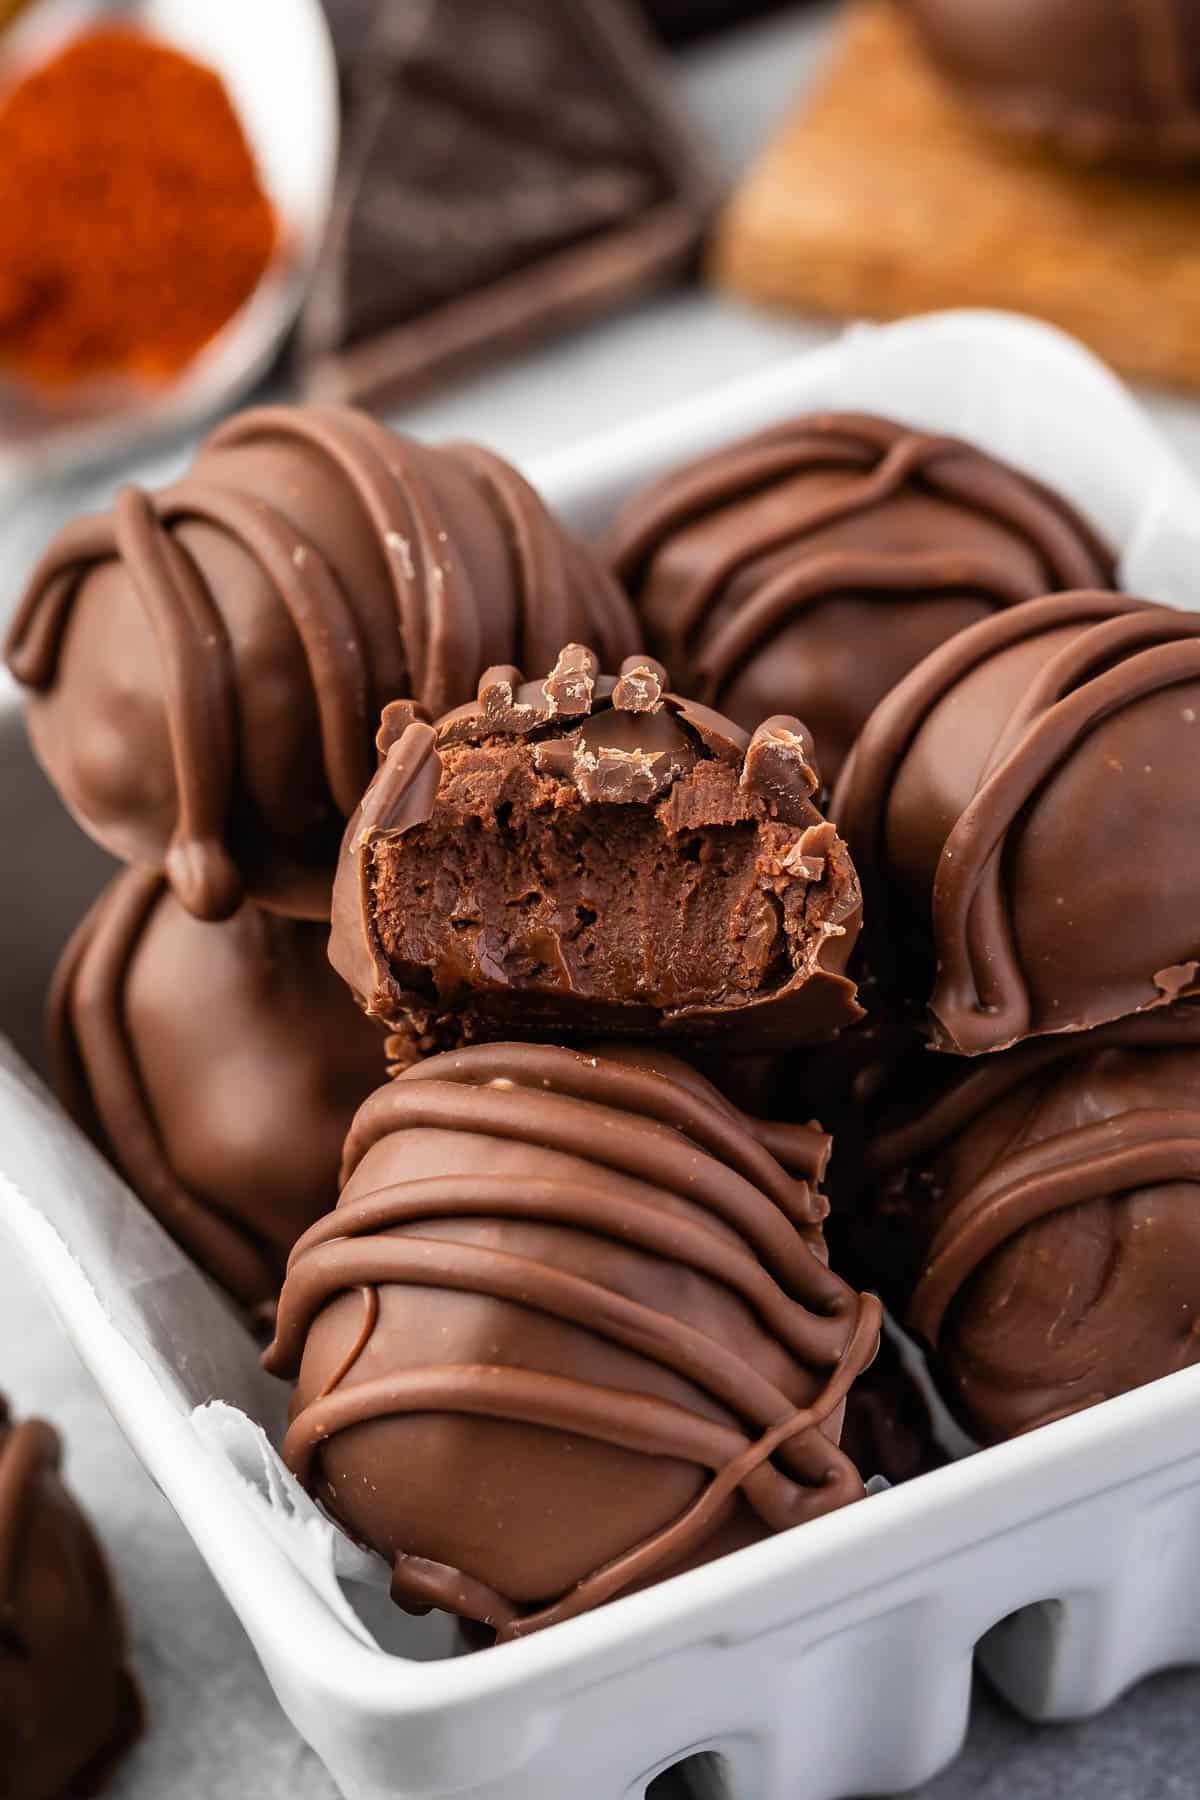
(362, 215)
(511, 220)
(526, 222)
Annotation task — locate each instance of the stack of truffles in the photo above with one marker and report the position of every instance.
(573, 1323)
(207, 668)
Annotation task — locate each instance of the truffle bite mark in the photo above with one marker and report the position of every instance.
(592, 853)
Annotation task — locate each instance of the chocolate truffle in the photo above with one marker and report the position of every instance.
(218, 1066)
(1094, 79)
(589, 853)
(69, 1708)
(807, 569)
(1048, 1205)
(1015, 807)
(569, 1321)
(207, 664)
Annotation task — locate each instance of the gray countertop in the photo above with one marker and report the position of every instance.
(216, 1731)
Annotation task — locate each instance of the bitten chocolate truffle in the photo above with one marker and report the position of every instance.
(206, 665)
(569, 1322)
(1037, 1219)
(69, 1708)
(1095, 79)
(218, 1066)
(807, 569)
(590, 853)
(1024, 811)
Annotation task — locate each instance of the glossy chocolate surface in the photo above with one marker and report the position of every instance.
(218, 1066)
(808, 568)
(590, 853)
(569, 1321)
(1096, 79)
(69, 1707)
(207, 665)
(1036, 1217)
(1023, 810)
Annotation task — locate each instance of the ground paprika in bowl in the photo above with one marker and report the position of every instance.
(133, 222)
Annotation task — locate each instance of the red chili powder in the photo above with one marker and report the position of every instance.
(132, 220)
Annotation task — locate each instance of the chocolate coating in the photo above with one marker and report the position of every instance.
(588, 854)
(808, 568)
(206, 664)
(1094, 79)
(217, 1065)
(69, 1708)
(1015, 808)
(1049, 1203)
(569, 1320)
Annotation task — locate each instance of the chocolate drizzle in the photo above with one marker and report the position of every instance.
(138, 1052)
(594, 772)
(1103, 1127)
(87, 1031)
(729, 558)
(374, 566)
(1090, 1163)
(1105, 654)
(658, 1165)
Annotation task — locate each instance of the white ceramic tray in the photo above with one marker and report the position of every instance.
(830, 1662)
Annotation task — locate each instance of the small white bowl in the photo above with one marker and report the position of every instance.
(276, 60)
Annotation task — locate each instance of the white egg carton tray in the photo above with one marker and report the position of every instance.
(830, 1662)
